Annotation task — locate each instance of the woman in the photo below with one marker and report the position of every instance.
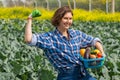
(62, 45)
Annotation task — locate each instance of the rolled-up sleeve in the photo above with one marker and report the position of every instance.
(42, 41)
(96, 40)
(33, 41)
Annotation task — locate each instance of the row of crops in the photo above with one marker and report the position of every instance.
(19, 61)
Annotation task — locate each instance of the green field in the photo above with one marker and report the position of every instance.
(19, 61)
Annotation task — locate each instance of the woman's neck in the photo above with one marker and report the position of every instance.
(64, 32)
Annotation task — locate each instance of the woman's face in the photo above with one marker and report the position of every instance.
(66, 21)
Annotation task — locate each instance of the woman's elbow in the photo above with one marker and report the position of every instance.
(27, 40)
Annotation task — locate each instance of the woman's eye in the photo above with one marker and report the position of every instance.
(67, 18)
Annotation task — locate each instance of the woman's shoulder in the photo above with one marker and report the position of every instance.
(44, 35)
(73, 31)
(47, 34)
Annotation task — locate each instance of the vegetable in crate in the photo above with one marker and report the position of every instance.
(82, 51)
(90, 57)
(97, 53)
(87, 53)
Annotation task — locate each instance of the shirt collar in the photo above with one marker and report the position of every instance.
(59, 34)
(70, 33)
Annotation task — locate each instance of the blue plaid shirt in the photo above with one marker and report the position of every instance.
(60, 51)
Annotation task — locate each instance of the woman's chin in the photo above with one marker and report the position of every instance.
(67, 27)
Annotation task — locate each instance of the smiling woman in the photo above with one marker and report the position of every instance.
(62, 45)
(65, 23)
(63, 20)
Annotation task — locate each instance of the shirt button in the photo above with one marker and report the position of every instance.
(68, 67)
(77, 61)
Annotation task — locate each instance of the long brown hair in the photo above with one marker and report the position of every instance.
(59, 13)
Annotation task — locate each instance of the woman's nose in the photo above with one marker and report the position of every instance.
(68, 20)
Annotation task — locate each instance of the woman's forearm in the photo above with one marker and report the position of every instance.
(99, 46)
(28, 31)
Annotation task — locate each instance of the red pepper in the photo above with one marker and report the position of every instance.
(99, 55)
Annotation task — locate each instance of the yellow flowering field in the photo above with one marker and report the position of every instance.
(79, 14)
(95, 15)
